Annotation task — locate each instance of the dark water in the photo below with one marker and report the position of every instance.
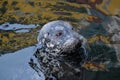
(112, 74)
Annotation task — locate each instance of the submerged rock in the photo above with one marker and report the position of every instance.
(60, 51)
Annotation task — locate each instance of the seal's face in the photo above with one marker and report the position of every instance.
(58, 36)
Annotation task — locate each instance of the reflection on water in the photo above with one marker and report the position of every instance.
(14, 66)
(17, 27)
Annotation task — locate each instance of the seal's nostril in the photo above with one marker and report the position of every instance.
(47, 40)
(50, 45)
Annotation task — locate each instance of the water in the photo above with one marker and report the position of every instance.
(17, 27)
(14, 66)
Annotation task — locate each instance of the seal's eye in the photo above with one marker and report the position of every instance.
(59, 34)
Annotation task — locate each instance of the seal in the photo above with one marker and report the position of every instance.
(60, 51)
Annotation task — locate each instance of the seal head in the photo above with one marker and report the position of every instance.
(58, 36)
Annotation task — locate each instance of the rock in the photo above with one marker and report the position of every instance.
(113, 27)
